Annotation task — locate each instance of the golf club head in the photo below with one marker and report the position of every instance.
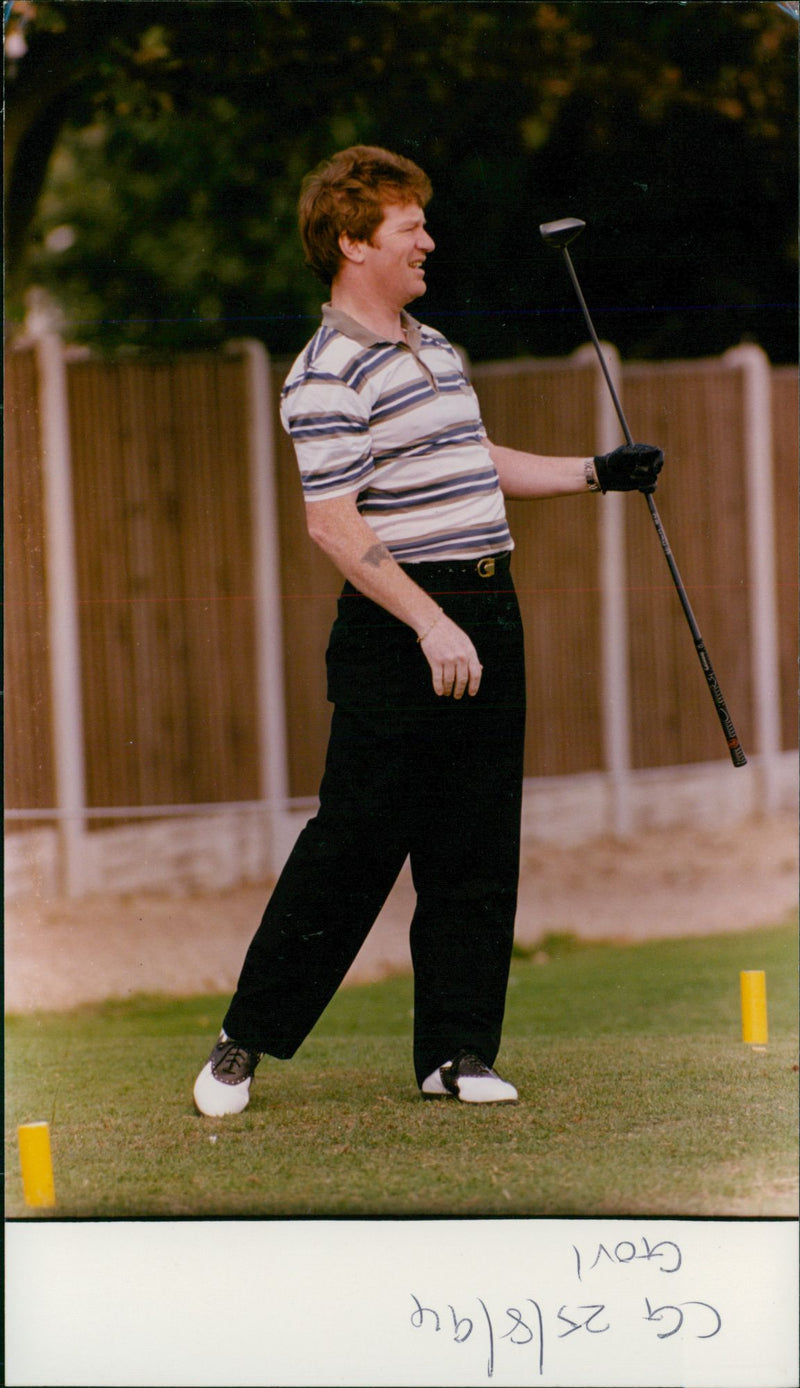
(560, 234)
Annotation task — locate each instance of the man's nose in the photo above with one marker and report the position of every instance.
(426, 242)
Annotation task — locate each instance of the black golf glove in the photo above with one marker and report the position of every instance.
(634, 467)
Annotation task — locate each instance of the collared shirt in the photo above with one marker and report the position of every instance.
(398, 425)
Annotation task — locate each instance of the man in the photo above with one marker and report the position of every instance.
(405, 493)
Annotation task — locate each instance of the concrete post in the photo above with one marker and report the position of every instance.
(62, 613)
(273, 756)
(613, 581)
(754, 366)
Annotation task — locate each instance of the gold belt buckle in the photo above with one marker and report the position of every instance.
(486, 567)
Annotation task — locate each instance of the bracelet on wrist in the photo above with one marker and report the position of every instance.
(427, 632)
(591, 476)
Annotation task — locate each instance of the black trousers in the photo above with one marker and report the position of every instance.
(407, 774)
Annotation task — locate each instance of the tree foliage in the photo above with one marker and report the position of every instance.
(156, 150)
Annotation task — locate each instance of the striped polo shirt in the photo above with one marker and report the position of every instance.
(398, 425)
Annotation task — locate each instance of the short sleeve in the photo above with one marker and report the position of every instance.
(329, 428)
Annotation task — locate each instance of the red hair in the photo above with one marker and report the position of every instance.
(348, 193)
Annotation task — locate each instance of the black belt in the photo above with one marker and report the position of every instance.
(486, 567)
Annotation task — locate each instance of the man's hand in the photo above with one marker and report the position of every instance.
(341, 533)
(452, 657)
(634, 467)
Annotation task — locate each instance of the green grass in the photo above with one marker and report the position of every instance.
(637, 1097)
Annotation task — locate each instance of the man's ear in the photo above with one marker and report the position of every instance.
(351, 250)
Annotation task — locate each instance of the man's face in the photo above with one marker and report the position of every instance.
(395, 258)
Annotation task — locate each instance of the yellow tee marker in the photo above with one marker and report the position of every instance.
(37, 1165)
(754, 1007)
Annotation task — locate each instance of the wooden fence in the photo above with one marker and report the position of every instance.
(169, 544)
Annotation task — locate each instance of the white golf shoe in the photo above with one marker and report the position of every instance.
(223, 1085)
(469, 1079)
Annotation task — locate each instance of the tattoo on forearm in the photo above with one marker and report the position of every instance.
(375, 556)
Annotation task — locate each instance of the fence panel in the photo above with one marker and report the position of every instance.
(165, 580)
(548, 407)
(694, 412)
(164, 546)
(785, 433)
(29, 768)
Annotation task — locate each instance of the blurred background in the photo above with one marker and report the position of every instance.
(154, 153)
(166, 616)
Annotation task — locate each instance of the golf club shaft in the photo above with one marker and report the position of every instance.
(596, 341)
(734, 746)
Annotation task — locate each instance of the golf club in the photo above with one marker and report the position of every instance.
(560, 235)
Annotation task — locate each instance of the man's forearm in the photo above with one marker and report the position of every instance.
(530, 475)
(352, 545)
(338, 528)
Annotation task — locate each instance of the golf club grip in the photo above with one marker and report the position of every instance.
(734, 746)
